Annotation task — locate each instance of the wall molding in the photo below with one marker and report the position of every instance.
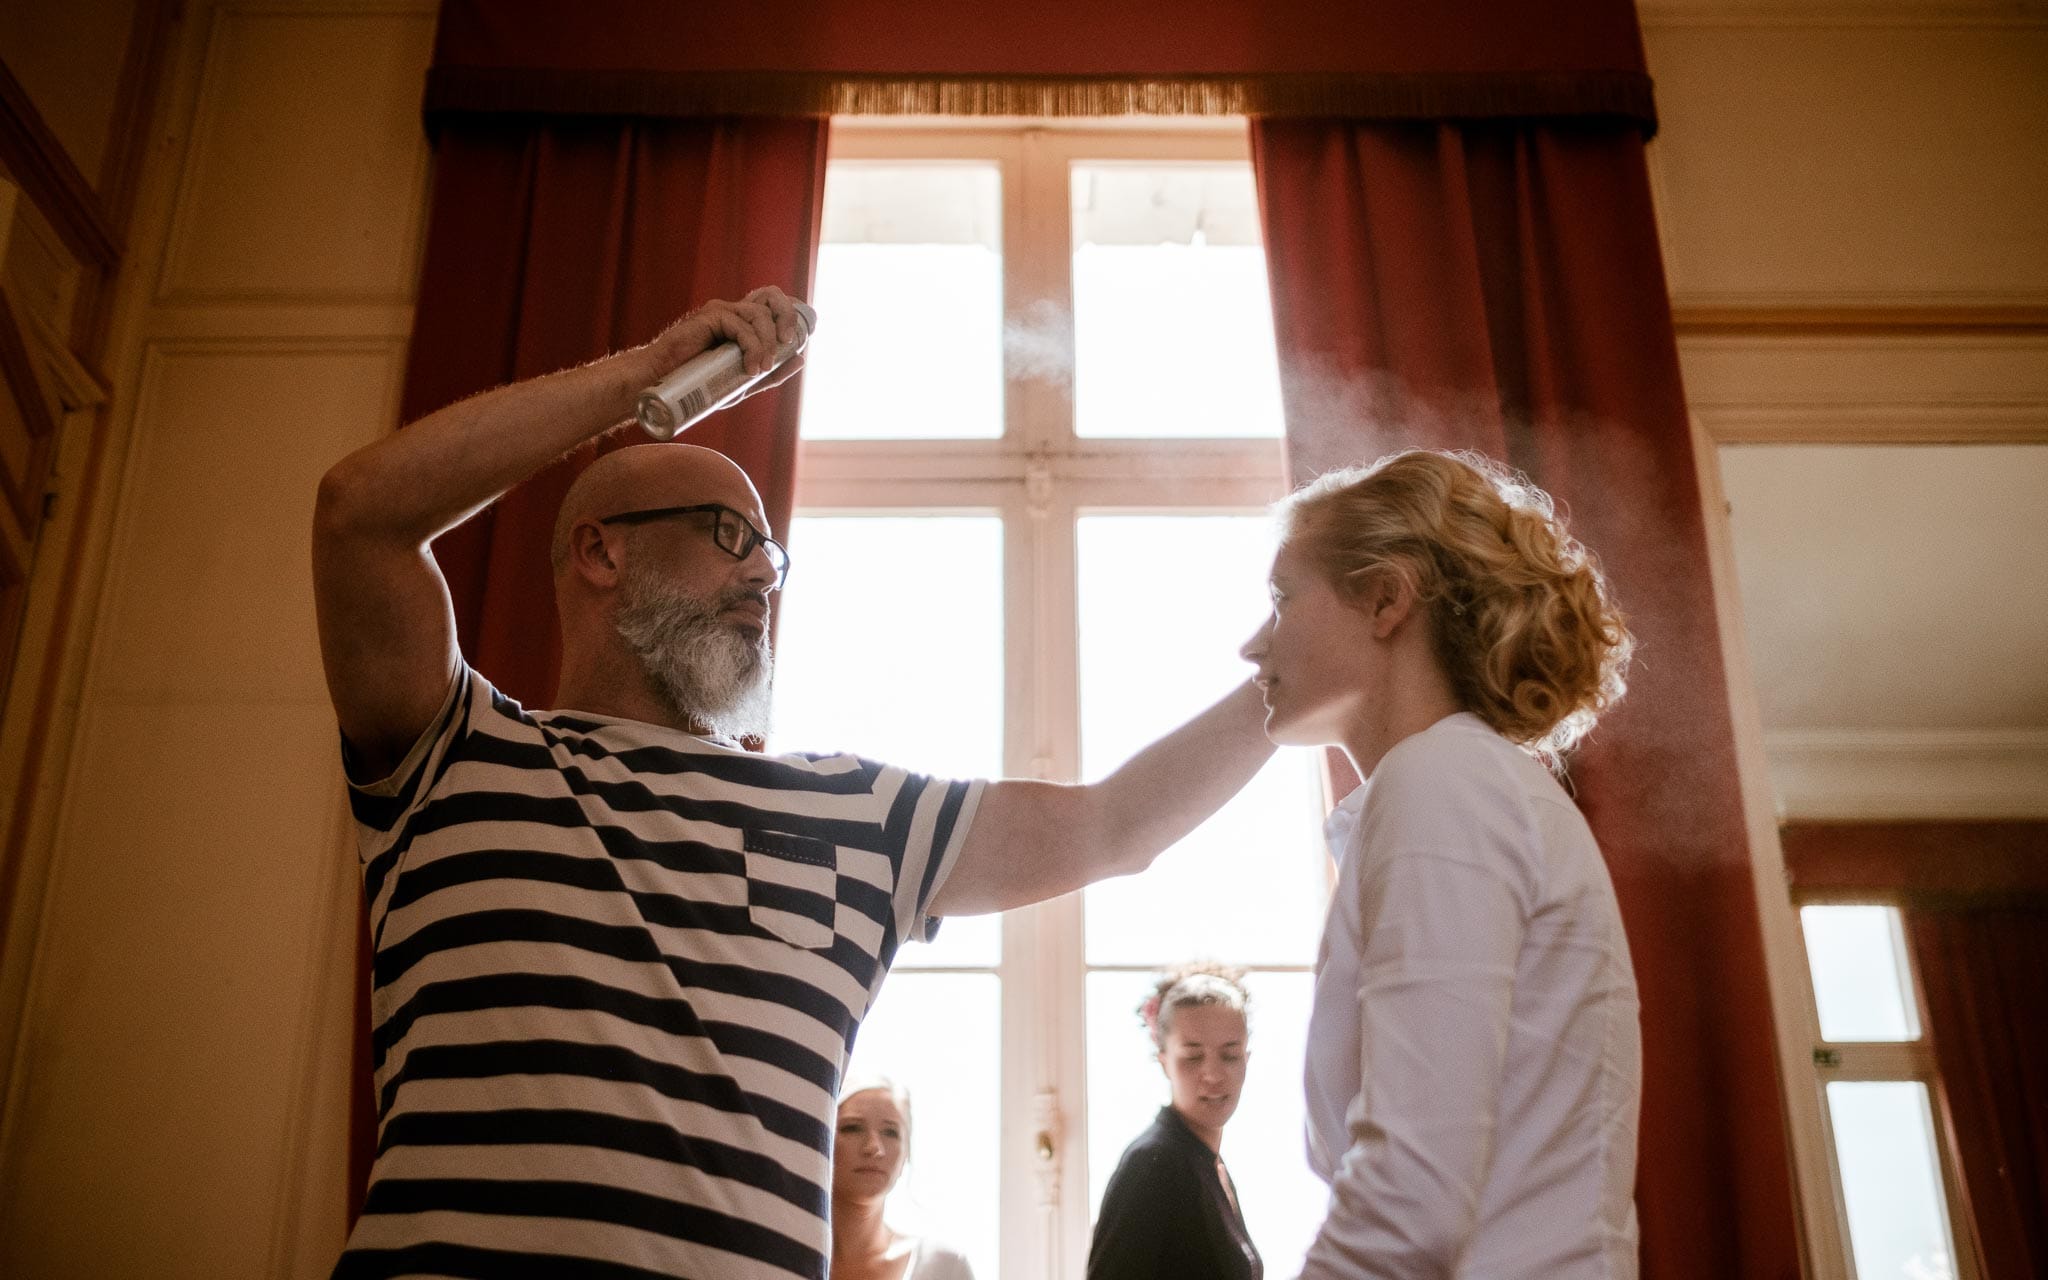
(1948, 388)
(1909, 773)
(1865, 311)
(1747, 14)
(284, 321)
(1778, 318)
(1876, 424)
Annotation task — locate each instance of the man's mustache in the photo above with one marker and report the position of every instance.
(732, 596)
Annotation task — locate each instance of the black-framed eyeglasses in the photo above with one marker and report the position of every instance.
(732, 532)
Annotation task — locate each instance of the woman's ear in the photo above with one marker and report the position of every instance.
(1385, 593)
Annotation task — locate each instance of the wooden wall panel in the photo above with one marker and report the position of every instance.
(13, 583)
(68, 54)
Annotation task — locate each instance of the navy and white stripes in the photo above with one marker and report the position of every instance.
(617, 972)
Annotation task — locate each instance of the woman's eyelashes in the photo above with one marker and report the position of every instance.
(858, 1126)
(856, 1130)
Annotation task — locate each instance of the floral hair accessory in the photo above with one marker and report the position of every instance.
(1148, 1013)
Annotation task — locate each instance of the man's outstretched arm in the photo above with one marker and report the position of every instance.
(1036, 840)
(387, 629)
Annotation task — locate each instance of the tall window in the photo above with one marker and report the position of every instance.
(1895, 1182)
(1041, 424)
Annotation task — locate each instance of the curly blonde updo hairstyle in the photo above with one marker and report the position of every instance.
(1519, 614)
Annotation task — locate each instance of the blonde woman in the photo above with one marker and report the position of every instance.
(869, 1153)
(1473, 1064)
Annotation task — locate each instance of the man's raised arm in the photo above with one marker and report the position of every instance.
(387, 629)
(1036, 840)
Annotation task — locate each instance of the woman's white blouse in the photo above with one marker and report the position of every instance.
(931, 1260)
(1474, 1058)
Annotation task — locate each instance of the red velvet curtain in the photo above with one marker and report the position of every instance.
(1498, 286)
(1981, 970)
(550, 244)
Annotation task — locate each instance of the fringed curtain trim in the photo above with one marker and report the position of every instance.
(459, 91)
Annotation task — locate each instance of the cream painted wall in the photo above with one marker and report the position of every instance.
(176, 1103)
(1881, 154)
(1851, 159)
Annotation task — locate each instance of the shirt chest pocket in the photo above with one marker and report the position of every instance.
(792, 887)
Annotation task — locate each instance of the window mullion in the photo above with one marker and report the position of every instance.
(908, 476)
(1038, 347)
(1045, 1200)
(1968, 1265)
(1880, 1060)
(1046, 1195)
(1064, 1027)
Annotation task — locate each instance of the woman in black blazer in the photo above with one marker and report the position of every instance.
(1170, 1211)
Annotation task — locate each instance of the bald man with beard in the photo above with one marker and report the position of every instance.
(619, 961)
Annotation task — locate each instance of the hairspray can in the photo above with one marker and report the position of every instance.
(708, 382)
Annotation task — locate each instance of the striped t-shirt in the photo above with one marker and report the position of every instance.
(617, 972)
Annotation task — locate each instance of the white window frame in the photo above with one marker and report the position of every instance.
(1886, 1061)
(1040, 477)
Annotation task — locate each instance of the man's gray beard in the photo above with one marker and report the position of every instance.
(706, 670)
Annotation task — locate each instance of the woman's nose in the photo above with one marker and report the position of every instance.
(1255, 648)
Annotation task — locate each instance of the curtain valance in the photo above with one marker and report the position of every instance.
(1391, 60)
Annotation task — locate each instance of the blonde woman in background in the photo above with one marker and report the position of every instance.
(1473, 1064)
(1170, 1211)
(868, 1158)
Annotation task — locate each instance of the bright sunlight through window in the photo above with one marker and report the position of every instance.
(1875, 1076)
(1041, 426)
